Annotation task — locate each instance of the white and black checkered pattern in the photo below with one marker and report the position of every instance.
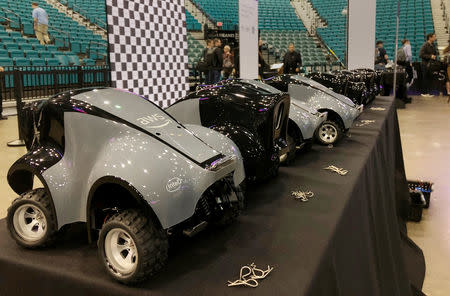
(148, 48)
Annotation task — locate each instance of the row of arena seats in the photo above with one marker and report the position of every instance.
(57, 60)
(62, 29)
(334, 34)
(278, 41)
(60, 60)
(195, 50)
(415, 22)
(272, 14)
(92, 10)
(191, 23)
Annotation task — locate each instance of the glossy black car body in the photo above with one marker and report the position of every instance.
(347, 83)
(252, 114)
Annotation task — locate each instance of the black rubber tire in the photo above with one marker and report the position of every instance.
(337, 125)
(151, 244)
(231, 214)
(41, 199)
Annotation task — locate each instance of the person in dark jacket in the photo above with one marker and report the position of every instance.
(428, 54)
(218, 61)
(292, 61)
(381, 57)
(209, 50)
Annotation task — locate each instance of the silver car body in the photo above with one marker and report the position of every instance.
(306, 118)
(320, 97)
(166, 163)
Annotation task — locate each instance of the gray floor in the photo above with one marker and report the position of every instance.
(425, 132)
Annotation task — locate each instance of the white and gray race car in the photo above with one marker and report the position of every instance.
(124, 166)
(340, 109)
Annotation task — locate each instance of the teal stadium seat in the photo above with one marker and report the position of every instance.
(16, 53)
(31, 54)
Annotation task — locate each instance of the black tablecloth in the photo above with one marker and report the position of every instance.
(350, 239)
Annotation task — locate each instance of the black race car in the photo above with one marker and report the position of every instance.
(252, 114)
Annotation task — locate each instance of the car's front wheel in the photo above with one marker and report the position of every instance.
(31, 220)
(330, 132)
(131, 247)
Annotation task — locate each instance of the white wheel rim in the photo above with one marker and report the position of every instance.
(121, 252)
(30, 223)
(328, 133)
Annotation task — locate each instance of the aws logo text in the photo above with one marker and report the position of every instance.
(155, 121)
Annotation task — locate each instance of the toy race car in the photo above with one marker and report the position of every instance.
(346, 84)
(116, 161)
(340, 109)
(249, 112)
(304, 120)
(373, 80)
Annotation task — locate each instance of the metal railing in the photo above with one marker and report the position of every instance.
(96, 50)
(9, 21)
(32, 82)
(66, 40)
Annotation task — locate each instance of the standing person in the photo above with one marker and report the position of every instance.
(218, 61)
(208, 57)
(261, 62)
(228, 62)
(292, 61)
(40, 18)
(206, 64)
(2, 117)
(381, 57)
(404, 59)
(428, 54)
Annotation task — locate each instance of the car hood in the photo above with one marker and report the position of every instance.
(123, 107)
(315, 84)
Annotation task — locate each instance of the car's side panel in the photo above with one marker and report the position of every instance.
(97, 147)
(305, 121)
(322, 101)
(222, 144)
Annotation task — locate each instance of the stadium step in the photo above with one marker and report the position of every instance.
(309, 16)
(199, 15)
(439, 20)
(78, 18)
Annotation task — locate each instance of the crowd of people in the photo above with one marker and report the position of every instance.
(219, 63)
(429, 63)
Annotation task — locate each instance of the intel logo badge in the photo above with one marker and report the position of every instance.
(173, 184)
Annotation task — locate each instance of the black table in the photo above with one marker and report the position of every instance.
(350, 239)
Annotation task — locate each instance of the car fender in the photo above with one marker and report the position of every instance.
(21, 174)
(306, 122)
(168, 181)
(223, 144)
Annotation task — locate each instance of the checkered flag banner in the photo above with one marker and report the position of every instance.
(148, 48)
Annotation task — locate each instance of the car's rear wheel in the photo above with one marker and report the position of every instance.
(31, 220)
(330, 132)
(131, 247)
